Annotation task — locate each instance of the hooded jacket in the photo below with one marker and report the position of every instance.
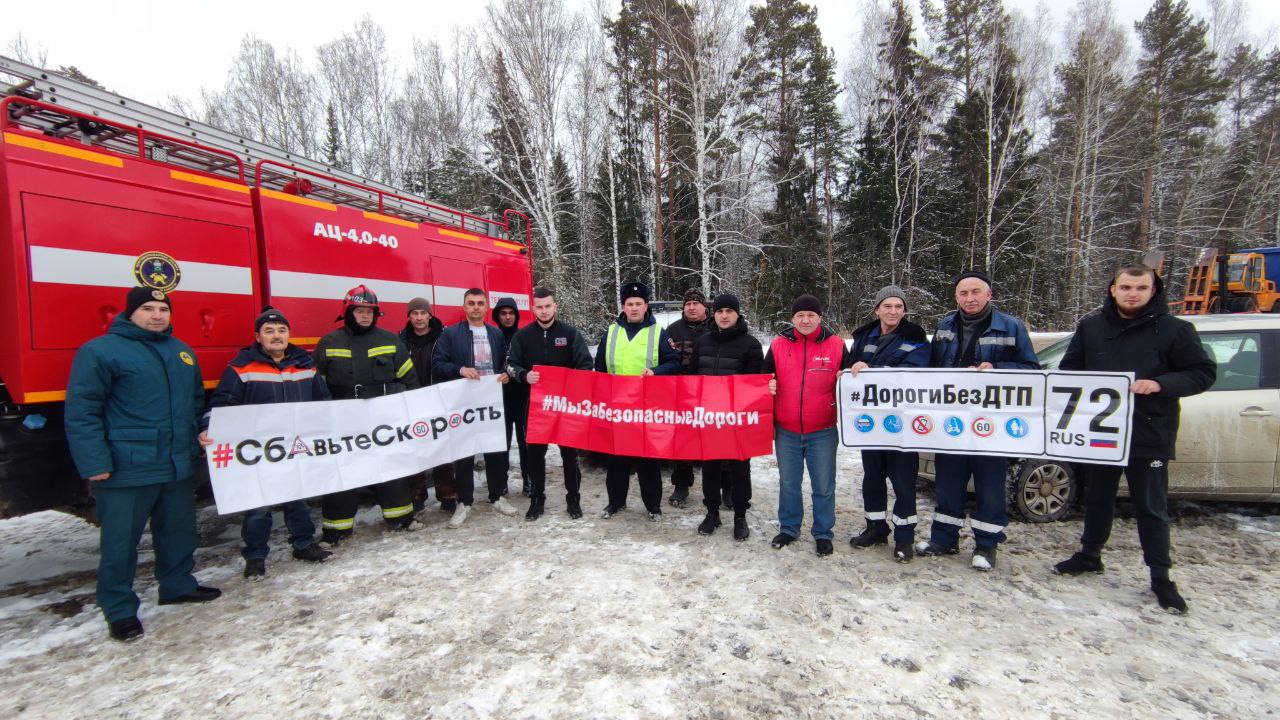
(668, 356)
(133, 406)
(732, 351)
(1154, 345)
(806, 368)
(906, 346)
(253, 378)
(421, 347)
(515, 396)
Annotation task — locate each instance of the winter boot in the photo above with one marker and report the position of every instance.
(255, 570)
(679, 497)
(610, 510)
(404, 524)
(710, 523)
(869, 537)
(782, 540)
(312, 553)
(448, 507)
(1078, 564)
(933, 549)
(573, 506)
(535, 508)
(902, 552)
(1166, 592)
(331, 538)
(823, 547)
(984, 559)
(125, 630)
(740, 530)
(655, 514)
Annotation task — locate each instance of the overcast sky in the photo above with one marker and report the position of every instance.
(147, 50)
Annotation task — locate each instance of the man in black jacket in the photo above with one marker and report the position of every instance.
(420, 334)
(515, 396)
(684, 333)
(472, 349)
(361, 360)
(1134, 332)
(547, 342)
(727, 349)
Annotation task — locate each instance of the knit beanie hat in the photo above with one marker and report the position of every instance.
(139, 296)
(695, 295)
(972, 274)
(890, 291)
(726, 301)
(419, 304)
(269, 315)
(806, 303)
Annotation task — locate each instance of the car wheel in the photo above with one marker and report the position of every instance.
(1042, 491)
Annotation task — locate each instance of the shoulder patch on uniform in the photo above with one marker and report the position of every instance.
(185, 357)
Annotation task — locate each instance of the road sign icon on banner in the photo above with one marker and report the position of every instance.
(953, 426)
(1017, 428)
(864, 423)
(893, 423)
(922, 425)
(983, 427)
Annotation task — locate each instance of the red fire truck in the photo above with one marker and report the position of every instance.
(100, 193)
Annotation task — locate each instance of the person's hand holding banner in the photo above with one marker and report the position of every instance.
(684, 417)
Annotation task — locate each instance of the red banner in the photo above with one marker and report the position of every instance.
(681, 417)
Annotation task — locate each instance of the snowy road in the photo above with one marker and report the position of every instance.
(629, 619)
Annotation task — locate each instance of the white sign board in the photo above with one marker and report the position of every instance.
(1082, 416)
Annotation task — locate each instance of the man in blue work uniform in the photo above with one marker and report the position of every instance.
(134, 400)
(976, 336)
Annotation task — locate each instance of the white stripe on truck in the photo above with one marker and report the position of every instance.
(85, 267)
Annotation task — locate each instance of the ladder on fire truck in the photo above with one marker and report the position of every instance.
(275, 168)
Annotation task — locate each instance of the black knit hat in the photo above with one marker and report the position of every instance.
(634, 289)
(973, 274)
(726, 301)
(695, 295)
(269, 315)
(139, 296)
(806, 303)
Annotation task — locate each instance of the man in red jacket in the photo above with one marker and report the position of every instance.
(805, 361)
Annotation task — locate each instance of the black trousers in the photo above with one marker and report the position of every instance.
(617, 481)
(518, 425)
(538, 471)
(338, 510)
(682, 476)
(723, 477)
(1148, 489)
(900, 469)
(495, 475)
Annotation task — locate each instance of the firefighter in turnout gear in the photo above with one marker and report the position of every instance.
(360, 360)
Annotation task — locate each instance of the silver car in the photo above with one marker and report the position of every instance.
(1228, 441)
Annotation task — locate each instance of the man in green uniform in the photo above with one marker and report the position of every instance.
(134, 400)
(361, 360)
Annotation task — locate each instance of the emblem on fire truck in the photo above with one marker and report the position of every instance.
(157, 270)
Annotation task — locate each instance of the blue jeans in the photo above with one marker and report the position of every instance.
(257, 529)
(794, 451)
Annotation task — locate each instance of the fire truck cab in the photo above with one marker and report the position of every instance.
(94, 204)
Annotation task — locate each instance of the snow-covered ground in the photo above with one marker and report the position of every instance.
(626, 618)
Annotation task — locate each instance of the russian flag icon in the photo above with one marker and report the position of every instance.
(1101, 443)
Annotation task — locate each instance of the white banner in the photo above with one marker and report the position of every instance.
(1083, 416)
(268, 454)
